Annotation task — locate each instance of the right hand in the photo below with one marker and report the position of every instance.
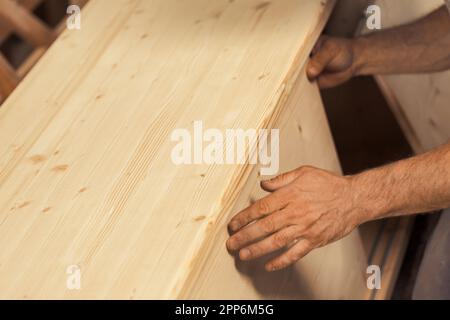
(332, 61)
(306, 209)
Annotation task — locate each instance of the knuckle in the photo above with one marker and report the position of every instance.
(304, 174)
(284, 177)
(280, 265)
(292, 213)
(280, 262)
(290, 192)
(311, 234)
(279, 240)
(255, 250)
(268, 225)
(293, 195)
(263, 206)
(329, 44)
(238, 240)
(250, 251)
(305, 169)
(237, 222)
(308, 247)
(298, 254)
(292, 258)
(297, 210)
(300, 229)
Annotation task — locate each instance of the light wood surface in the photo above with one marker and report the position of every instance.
(85, 171)
(336, 271)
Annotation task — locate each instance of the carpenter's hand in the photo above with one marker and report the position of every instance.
(332, 61)
(306, 209)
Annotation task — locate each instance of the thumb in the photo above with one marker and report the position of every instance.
(279, 181)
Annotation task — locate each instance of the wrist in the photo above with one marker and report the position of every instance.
(360, 56)
(368, 201)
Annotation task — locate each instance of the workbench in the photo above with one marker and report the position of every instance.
(88, 190)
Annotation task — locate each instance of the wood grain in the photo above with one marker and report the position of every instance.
(85, 171)
(336, 271)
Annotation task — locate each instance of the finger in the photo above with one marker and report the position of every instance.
(295, 253)
(258, 230)
(262, 207)
(330, 80)
(319, 62)
(280, 181)
(270, 244)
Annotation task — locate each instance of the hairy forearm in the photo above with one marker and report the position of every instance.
(418, 184)
(421, 46)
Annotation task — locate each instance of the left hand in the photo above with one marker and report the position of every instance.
(333, 61)
(306, 209)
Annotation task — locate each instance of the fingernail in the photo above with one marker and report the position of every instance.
(244, 254)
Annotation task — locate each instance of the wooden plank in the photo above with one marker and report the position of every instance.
(85, 169)
(393, 256)
(387, 250)
(333, 272)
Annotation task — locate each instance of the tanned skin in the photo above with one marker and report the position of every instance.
(309, 207)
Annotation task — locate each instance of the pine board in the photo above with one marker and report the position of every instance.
(85, 171)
